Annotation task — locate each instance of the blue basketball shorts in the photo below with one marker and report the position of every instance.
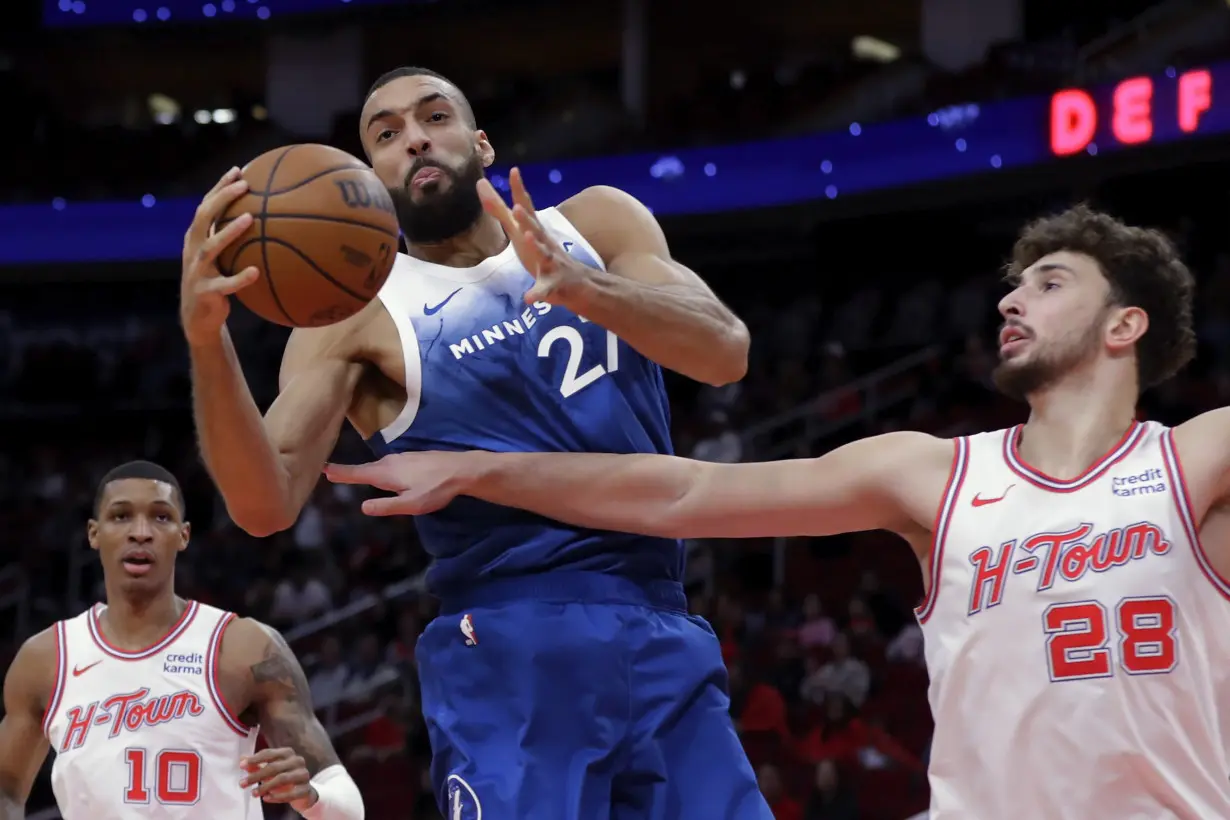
(580, 696)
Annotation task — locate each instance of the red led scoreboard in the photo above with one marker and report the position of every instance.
(1132, 113)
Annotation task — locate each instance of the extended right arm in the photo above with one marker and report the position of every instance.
(885, 482)
(23, 747)
(892, 482)
(266, 468)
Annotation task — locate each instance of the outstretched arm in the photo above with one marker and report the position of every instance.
(23, 747)
(891, 482)
(300, 767)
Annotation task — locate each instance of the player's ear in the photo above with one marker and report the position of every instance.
(91, 533)
(185, 534)
(1125, 326)
(485, 150)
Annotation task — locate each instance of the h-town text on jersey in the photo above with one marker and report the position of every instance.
(1065, 556)
(129, 712)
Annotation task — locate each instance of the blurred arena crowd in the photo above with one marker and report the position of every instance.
(828, 686)
(878, 321)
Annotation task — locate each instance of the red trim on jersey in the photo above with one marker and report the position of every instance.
(57, 691)
(1012, 457)
(1183, 501)
(185, 620)
(939, 531)
(211, 676)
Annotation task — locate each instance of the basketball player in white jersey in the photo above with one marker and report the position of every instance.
(153, 704)
(1077, 568)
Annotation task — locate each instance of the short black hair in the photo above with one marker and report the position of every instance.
(140, 469)
(418, 71)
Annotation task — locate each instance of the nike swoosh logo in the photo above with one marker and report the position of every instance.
(431, 311)
(568, 246)
(81, 670)
(979, 501)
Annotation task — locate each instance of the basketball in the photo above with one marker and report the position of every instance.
(324, 235)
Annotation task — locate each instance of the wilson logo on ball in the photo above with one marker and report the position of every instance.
(324, 238)
(357, 195)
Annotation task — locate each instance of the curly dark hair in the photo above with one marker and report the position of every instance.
(1144, 270)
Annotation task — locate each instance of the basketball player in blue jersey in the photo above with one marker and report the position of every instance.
(564, 678)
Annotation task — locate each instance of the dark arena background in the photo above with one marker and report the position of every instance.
(848, 176)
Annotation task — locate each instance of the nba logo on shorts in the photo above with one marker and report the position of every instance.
(467, 629)
(462, 801)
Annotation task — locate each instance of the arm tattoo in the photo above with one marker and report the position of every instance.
(285, 707)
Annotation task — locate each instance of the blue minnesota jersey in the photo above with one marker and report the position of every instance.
(485, 371)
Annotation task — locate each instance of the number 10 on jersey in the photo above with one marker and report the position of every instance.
(574, 380)
(175, 779)
(1079, 637)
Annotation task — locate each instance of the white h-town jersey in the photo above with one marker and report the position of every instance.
(1078, 641)
(146, 734)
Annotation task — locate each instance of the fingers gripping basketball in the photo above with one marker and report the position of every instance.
(324, 235)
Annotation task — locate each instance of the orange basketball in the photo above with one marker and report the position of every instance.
(324, 235)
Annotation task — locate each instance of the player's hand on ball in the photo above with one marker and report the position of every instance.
(424, 482)
(556, 274)
(280, 776)
(204, 291)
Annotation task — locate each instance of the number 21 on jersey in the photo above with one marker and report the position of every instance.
(574, 380)
(1079, 637)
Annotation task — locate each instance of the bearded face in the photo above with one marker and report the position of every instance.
(1029, 363)
(421, 139)
(436, 202)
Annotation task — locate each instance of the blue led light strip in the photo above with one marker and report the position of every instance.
(959, 141)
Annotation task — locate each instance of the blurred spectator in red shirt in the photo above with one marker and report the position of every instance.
(755, 706)
(780, 804)
(842, 736)
(730, 628)
(386, 735)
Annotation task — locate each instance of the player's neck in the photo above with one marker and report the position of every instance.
(134, 622)
(1073, 424)
(483, 240)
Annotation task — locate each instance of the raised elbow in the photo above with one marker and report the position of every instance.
(729, 363)
(260, 522)
(262, 529)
